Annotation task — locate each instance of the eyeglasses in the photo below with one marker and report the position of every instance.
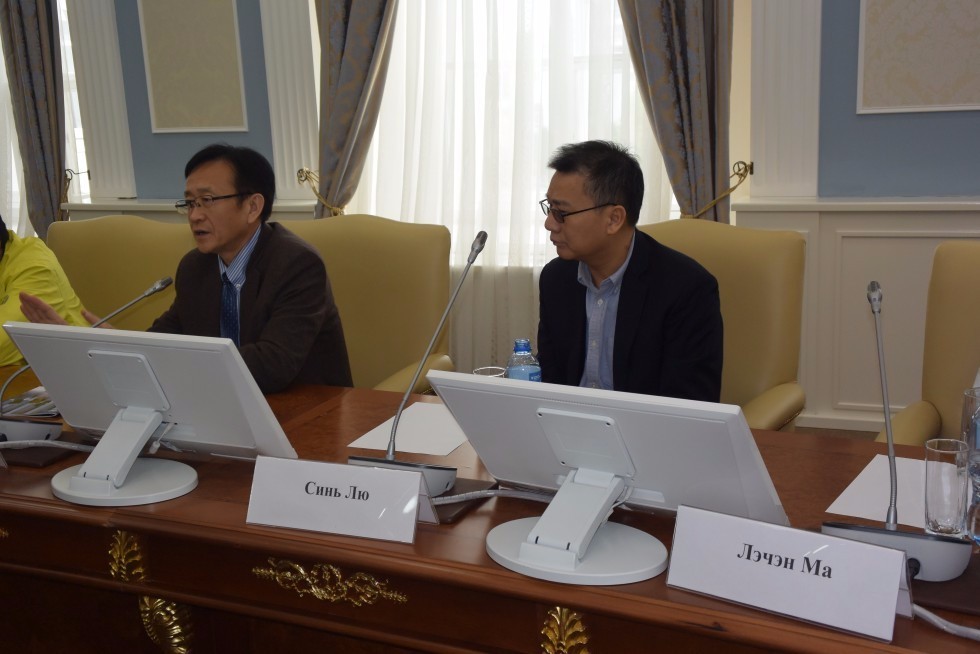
(204, 202)
(560, 215)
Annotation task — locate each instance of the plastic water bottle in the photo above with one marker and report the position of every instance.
(522, 364)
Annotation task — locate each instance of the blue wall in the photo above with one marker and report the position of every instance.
(158, 159)
(881, 155)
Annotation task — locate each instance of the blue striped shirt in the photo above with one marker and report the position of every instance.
(236, 270)
(601, 306)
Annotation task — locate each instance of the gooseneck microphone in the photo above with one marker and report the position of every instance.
(25, 429)
(157, 286)
(478, 244)
(439, 479)
(874, 299)
(930, 557)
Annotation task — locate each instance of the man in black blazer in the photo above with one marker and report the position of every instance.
(618, 310)
(253, 282)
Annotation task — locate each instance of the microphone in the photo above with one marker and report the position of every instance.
(27, 429)
(874, 299)
(478, 244)
(438, 479)
(930, 557)
(157, 286)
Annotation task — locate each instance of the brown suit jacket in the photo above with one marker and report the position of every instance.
(290, 328)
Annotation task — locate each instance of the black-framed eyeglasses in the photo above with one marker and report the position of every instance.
(204, 202)
(560, 215)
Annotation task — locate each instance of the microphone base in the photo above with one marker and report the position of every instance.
(438, 479)
(28, 430)
(939, 558)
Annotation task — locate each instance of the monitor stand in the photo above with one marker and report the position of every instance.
(573, 543)
(114, 476)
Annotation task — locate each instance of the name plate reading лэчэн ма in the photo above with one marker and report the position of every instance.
(845, 584)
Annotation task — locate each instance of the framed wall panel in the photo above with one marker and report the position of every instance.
(192, 55)
(918, 56)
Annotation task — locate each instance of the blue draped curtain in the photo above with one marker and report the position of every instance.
(355, 45)
(682, 54)
(32, 54)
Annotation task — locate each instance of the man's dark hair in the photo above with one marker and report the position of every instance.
(253, 172)
(612, 174)
(4, 236)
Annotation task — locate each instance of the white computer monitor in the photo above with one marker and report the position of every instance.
(190, 393)
(598, 448)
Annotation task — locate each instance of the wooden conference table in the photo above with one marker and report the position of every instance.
(83, 579)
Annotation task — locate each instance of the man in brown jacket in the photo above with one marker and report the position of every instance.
(248, 280)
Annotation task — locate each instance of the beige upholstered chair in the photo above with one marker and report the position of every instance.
(951, 354)
(391, 283)
(112, 259)
(760, 278)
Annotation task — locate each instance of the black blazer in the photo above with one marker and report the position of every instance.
(669, 335)
(289, 326)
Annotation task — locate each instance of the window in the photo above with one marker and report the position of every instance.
(75, 159)
(13, 206)
(478, 96)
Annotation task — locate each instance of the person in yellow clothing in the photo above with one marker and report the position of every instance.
(27, 265)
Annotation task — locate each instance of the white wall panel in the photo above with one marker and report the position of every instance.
(785, 97)
(101, 98)
(290, 75)
(848, 245)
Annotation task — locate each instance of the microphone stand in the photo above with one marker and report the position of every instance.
(930, 557)
(891, 516)
(157, 286)
(13, 429)
(438, 479)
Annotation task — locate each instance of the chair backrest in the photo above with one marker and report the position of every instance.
(951, 353)
(760, 279)
(112, 259)
(391, 283)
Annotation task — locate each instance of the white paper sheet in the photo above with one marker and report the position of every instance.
(423, 429)
(868, 495)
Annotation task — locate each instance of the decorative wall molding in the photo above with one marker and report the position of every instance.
(163, 210)
(850, 243)
(291, 77)
(785, 97)
(198, 85)
(102, 98)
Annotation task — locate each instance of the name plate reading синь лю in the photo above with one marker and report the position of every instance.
(335, 498)
(840, 583)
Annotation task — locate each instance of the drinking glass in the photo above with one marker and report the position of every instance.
(970, 433)
(490, 371)
(947, 486)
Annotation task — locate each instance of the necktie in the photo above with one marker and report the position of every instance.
(229, 309)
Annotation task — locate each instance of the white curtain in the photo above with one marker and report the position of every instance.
(478, 97)
(13, 205)
(75, 161)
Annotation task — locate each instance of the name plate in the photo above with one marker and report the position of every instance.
(841, 583)
(335, 498)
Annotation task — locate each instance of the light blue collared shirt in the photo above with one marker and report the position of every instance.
(236, 270)
(601, 307)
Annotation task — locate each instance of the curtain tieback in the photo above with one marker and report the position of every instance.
(312, 177)
(741, 170)
(63, 200)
